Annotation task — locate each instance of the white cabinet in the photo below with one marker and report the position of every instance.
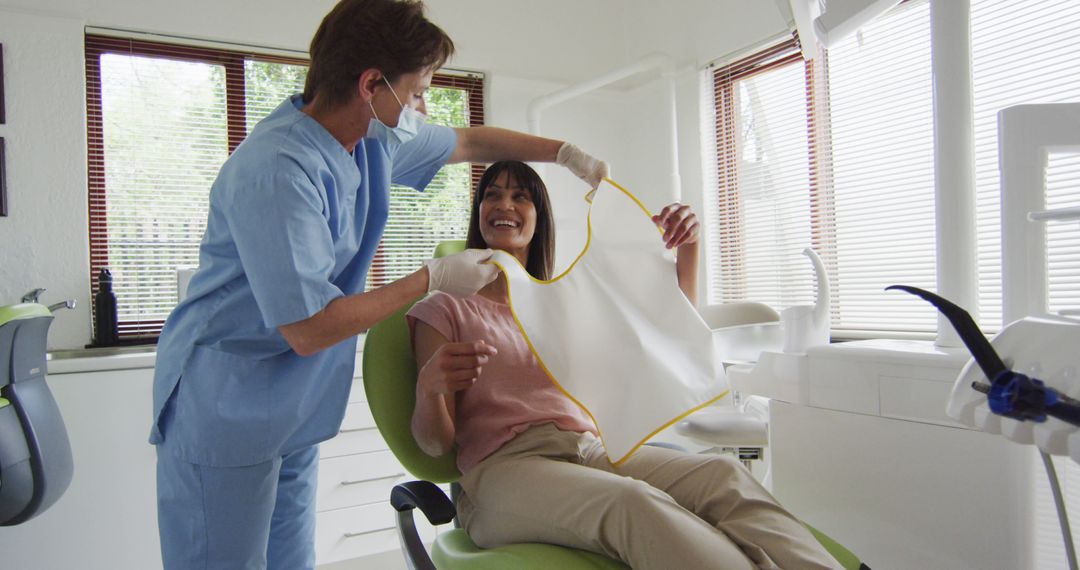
(356, 472)
(359, 479)
(108, 517)
(861, 448)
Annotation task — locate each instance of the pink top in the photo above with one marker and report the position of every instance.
(512, 393)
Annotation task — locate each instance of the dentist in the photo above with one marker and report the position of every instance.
(254, 367)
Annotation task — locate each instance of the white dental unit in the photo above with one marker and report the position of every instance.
(883, 442)
(863, 441)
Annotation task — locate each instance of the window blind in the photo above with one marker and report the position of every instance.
(1024, 52)
(161, 120)
(881, 127)
(834, 155)
(420, 220)
(762, 205)
(1063, 239)
(267, 84)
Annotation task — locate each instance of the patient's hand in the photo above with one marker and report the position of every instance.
(455, 366)
(680, 225)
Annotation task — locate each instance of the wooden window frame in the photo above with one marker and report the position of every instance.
(233, 61)
(821, 194)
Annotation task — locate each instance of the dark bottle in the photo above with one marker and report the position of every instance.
(105, 324)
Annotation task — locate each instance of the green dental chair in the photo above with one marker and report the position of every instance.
(389, 371)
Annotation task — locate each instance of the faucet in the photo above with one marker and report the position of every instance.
(69, 304)
(32, 296)
(808, 325)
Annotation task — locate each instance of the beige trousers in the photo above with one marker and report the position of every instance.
(661, 509)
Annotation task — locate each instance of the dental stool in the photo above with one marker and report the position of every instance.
(389, 372)
(35, 455)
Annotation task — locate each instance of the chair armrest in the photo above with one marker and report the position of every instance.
(427, 496)
(436, 507)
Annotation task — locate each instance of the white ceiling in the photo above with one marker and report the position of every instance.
(573, 40)
(565, 41)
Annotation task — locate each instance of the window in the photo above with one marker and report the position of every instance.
(868, 177)
(1024, 52)
(161, 120)
(420, 220)
(836, 155)
(763, 204)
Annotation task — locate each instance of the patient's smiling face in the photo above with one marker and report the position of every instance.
(511, 211)
(508, 216)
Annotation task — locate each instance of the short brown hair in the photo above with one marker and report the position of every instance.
(392, 36)
(542, 248)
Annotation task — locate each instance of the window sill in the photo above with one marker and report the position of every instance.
(899, 379)
(101, 359)
(118, 358)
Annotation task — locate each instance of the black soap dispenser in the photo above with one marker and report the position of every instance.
(106, 331)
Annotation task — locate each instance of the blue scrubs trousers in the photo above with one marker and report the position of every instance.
(230, 518)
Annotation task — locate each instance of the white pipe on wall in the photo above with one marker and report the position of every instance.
(954, 160)
(676, 180)
(654, 61)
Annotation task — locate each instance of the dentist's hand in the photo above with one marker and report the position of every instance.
(679, 223)
(461, 274)
(455, 366)
(585, 167)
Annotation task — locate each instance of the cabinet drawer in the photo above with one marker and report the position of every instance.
(356, 391)
(355, 480)
(358, 369)
(356, 435)
(352, 442)
(351, 533)
(357, 417)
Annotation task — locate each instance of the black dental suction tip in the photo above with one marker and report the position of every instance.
(965, 326)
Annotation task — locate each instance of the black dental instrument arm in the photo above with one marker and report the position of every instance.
(1009, 393)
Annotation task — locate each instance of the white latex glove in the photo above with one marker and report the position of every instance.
(583, 166)
(461, 274)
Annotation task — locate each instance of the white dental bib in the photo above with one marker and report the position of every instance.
(615, 332)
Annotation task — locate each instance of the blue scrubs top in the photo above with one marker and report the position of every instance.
(294, 223)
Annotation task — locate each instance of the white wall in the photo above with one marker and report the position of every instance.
(526, 49)
(43, 241)
(698, 31)
(593, 122)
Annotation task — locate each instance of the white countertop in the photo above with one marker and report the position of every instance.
(900, 379)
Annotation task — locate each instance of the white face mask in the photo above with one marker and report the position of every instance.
(408, 125)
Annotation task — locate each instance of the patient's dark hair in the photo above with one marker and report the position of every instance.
(542, 247)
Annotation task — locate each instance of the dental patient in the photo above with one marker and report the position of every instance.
(533, 468)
